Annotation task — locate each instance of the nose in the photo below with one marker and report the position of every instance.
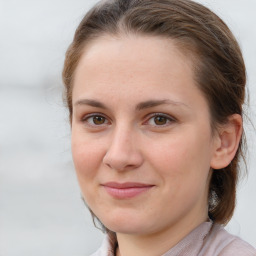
(123, 153)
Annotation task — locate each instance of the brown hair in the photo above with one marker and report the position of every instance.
(219, 66)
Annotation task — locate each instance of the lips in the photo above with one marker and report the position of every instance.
(126, 190)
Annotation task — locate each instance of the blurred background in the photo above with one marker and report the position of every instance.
(41, 211)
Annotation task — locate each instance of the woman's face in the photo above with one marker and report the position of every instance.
(141, 137)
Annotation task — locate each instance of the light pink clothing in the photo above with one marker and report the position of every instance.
(206, 240)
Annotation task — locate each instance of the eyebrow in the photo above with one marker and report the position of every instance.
(155, 103)
(140, 106)
(93, 103)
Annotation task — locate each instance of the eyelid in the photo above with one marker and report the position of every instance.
(167, 116)
(87, 116)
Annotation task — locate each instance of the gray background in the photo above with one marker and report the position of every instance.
(41, 212)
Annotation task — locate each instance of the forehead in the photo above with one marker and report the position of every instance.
(134, 48)
(147, 65)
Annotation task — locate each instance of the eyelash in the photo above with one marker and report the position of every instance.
(86, 118)
(166, 117)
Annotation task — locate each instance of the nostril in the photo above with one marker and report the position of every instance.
(109, 165)
(129, 162)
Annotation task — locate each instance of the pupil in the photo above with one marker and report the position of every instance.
(160, 120)
(98, 120)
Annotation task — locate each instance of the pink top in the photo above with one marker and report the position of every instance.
(206, 240)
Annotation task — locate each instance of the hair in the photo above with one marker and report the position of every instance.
(218, 66)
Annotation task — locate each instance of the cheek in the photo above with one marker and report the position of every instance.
(86, 157)
(184, 158)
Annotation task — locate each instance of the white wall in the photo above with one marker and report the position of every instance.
(41, 212)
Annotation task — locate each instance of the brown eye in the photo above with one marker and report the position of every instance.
(160, 120)
(98, 120)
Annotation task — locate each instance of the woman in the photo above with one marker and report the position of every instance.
(155, 92)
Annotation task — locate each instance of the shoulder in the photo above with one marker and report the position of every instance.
(238, 247)
(221, 243)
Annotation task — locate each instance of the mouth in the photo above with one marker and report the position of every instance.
(126, 190)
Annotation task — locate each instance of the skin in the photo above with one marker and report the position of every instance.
(119, 135)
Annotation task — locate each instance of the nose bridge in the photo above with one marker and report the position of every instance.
(123, 152)
(123, 138)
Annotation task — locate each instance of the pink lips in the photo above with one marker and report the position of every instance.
(126, 190)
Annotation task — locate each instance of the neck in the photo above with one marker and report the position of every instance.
(157, 243)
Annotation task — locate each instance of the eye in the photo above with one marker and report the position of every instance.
(95, 120)
(98, 120)
(160, 120)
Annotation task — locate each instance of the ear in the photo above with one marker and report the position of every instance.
(226, 142)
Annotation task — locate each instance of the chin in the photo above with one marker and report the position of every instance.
(124, 224)
(125, 228)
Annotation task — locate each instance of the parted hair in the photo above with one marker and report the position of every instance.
(218, 64)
